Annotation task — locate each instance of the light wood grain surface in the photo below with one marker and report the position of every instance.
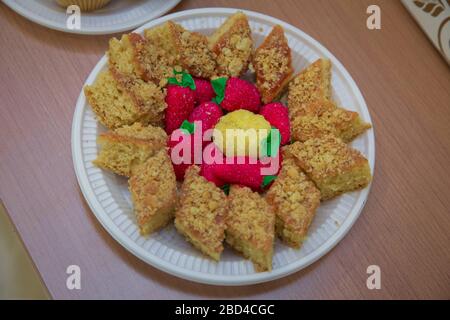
(404, 228)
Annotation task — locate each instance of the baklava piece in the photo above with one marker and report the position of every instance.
(311, 85)
(317, 119)
(153, 189)
(250, 226)
(232, 45)
(188, 49)
(294, 199)
(332, 165)
(200, 216)
(137, 57)
(273, 65)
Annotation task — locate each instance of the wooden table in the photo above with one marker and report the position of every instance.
(404, 228)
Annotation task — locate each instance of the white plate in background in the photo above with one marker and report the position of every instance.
(109, 199)
(116, 16)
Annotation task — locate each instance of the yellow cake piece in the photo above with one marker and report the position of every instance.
(200, 216)
(316, 119)
(294, 199)
(188, 49)
(273, 65)
(163, 36)
(154, 64)
(121, 54)
(232, 45)
(125, 148)
(251, 226)
(153, 189)
(332, 165)
(311, 85)
(136, 57)
(118, 100)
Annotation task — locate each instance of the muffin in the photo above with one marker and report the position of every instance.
(85, 5)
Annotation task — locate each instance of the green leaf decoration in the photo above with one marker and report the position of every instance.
(186, 80)
(187, 126)
(173, 81)
(267, 180)
(226, 188)
(219, 85)
(271, 144)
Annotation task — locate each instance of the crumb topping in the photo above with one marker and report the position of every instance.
(273, 65)
(232, 44)
(195, 54)
(156, 65)
(147, 97)
(202, 210)
(312, 120)
(326, 156)
(294, 197)
(153, 186)
(310, 85)
(250, 218)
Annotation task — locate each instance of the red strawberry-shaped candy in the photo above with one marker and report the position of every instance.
(234, 93)
(185, 135)
(277, 115)
(180, 99)
(180, 168)
(204, 91)
(246, 173)
(208, 167)
(208, 113)
(180, 103)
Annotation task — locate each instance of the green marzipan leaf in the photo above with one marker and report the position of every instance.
(226, 188)
(186, 80)
(187, 126)
(273, 139)
(267, 180)
(219, 89)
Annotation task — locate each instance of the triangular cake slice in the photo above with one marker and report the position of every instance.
(200, 216)
(251, 226)
(153, 189)
(316, 119)
(311, 85)
(188, 49)
(273, 65)
(125, 148)
(331, 164)
(295, 199)
(232, 45)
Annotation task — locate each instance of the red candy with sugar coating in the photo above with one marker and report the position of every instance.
(208, 168)
(203, 91)
(245, 173)
(180, 103)
(181, 168)
(208, 113)
(241, 94)
(278, 116)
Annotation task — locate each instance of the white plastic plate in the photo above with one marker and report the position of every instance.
(109, 199)
(117, 16)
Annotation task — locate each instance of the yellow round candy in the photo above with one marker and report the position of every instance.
(240, 133)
